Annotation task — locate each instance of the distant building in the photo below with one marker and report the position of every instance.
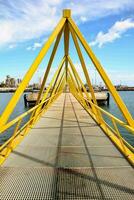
(2, 84)
(10, 82)
(36, 86)
(18, 81)
(7, 81)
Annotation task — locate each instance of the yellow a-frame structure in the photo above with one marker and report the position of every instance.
(67, 74)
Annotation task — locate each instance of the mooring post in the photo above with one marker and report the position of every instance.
(108, 98)
(25, 100)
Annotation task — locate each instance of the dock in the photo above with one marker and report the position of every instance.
(66, 155)
(102, 98)
(31, 98)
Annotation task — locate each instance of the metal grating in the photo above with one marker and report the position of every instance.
(49, 183)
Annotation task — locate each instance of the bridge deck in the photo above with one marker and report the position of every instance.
(66, 156)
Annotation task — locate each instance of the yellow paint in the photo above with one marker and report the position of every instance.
(66, 74)
(103, 74)
(12, 103)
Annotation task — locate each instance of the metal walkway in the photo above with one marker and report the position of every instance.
(66, 156)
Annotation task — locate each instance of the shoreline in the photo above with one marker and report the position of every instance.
(127, 89)
(12, 90)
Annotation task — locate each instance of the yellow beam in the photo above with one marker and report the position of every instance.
(77, 86)
(77, 83)
(85, 72)
(49, 66)
(71, 85)
(103, 74)
(66, 45)
(11, 105)
(50, 86)
(56, 80)
(76, 74)
(15, 139)
(66, 13)
(83, 64)
(123, 124)
(59, 83)
(56, 85)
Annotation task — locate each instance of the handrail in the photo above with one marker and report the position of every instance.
(113, 133)
(20, 132)
(9, 124)
(12, 137)
(18, 119)
(123, 124)
(113, 117)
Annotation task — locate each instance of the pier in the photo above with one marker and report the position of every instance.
(101, 97)
(64, 146)
(66, 156)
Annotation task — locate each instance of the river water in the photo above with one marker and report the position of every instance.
(127, 96)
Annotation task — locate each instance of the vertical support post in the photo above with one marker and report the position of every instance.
(120, 137)
(75, 82)
(72, 87)
(66, 14)
(79, 89)
(66, 46)
(14, 133)
(59, 83)
(56, 80)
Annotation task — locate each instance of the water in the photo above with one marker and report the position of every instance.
(19, 109)
(127, 96)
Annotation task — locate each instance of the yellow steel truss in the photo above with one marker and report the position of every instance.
(66, 74)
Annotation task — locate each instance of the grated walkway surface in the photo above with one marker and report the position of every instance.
(66, 156)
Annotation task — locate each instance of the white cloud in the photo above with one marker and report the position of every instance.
(94, 9)
(26, 20)
(83, 19)
(29, 48)
(34, 46)
(37, 45)
(11, 46)
(113, 33)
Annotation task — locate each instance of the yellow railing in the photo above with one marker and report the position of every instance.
(114, 133)
(19, 132)
(67, 74)
(114, 121)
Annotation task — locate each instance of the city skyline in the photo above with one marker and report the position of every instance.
(108, 28)
(11, 82)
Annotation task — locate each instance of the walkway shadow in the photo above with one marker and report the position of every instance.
(82, 183)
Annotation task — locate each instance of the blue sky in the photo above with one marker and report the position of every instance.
(107, 25)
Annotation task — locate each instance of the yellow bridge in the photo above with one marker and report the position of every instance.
(66, 149)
